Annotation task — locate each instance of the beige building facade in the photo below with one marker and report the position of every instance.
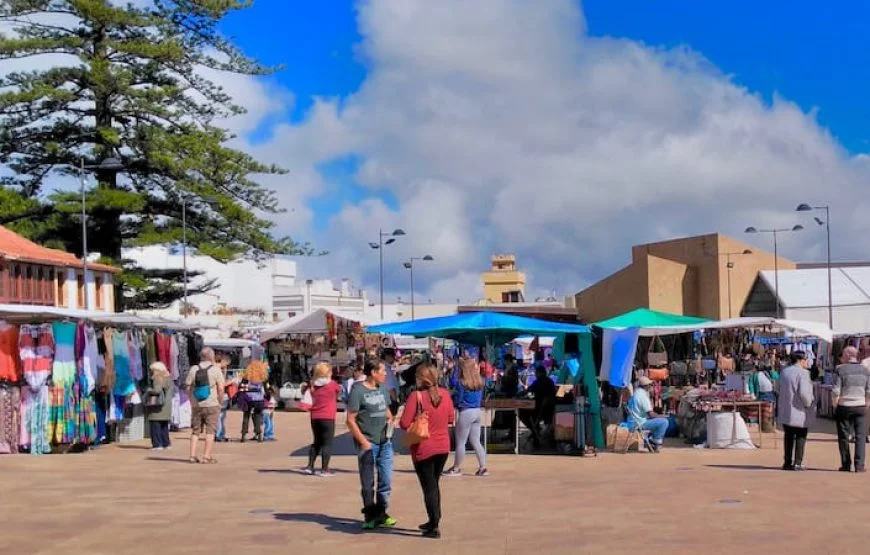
(503, 283)
(689, 276)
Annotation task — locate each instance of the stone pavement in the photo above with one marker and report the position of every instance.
(126, 499)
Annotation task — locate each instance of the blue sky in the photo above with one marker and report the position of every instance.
(580, 148)
(813, 53)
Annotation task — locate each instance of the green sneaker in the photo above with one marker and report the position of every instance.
(370, 525)
(388, 522)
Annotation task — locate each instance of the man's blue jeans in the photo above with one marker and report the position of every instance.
(380, 457)
(657, 427)
(222, 425)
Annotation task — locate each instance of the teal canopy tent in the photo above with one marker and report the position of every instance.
(652, 322)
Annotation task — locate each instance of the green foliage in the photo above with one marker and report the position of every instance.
(131, 86)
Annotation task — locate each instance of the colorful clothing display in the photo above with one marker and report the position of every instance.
(67, 383)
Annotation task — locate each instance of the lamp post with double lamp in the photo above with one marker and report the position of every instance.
(379, 246)
(729, 266)
(409, 265)
(107, 165)
(774, 232)
(827, 224)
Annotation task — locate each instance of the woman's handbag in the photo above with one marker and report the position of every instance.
(419, 428)
(658, 374)
(154, 400)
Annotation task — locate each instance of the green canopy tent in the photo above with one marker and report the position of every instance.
(653, 322)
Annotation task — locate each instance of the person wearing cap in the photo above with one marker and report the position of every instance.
(641, 412)
(794, 409)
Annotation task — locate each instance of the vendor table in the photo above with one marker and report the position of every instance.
(718, 406)
(516, 405)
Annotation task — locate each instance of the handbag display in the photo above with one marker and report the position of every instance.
(656, 359)
(419, 428)
(658, 374)
(679, 368)
(725, 363)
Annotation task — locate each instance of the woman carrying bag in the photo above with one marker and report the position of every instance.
(428, 414)
(158, 403)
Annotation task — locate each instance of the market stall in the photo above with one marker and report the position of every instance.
(70, 379)
(488, 329)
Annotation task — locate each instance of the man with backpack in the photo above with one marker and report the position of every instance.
(205, 386)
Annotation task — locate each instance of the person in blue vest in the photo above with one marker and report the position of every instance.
(640, 412)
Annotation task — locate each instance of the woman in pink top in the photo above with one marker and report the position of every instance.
(324, 394)
(430, 455)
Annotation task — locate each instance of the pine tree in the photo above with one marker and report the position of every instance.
(129, 84)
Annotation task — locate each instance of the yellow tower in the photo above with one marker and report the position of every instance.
(503, 283)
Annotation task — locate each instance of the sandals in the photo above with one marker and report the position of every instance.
(193, 460)
(208, 460)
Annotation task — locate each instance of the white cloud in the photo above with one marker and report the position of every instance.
(503, 127)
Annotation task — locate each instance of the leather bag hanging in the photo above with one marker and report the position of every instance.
(656, 359)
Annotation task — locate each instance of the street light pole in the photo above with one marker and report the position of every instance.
(729, 266)
(410, 266)
(775, 257)
(109, 164)
(827, 209)
(84, 237)
(379, 246)
(184, 252)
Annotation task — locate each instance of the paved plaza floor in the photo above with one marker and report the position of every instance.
(127, 499)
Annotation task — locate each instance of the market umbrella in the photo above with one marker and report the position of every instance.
(478, 328)
(646, 318)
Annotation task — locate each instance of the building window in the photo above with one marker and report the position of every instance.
(14, 283)
(80, 288)
(27, 295)
(62, 299)
(510, 297)
(98, 285)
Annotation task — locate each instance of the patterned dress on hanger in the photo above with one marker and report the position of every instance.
(10, 369)
(62, 416)
(36, 351)
(9, 419)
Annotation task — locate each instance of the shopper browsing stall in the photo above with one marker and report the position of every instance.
(205, 385)
(324, 395)
(795, 409)
(467, 384)
(851, 396)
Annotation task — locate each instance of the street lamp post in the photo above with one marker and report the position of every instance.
(729, 266)
(184, 252)
(379, 246)
(827, 223)
(774, 232)
(109, 164)
(409, 265)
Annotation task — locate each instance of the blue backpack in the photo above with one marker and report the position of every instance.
(201, 385)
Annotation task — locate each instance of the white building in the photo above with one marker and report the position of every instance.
(309, 295)
(803, 295)
(245, 288)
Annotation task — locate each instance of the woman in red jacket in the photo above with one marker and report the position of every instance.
(324, 392)
(430, 455)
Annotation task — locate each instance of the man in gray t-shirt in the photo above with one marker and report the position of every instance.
(370, 406)
(368, 413)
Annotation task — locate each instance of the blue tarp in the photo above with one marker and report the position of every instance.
(477, 328)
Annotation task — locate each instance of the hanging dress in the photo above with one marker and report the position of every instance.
(10, 369)
(62, 417)
(36, 351)
(9, 419)
(123, 378)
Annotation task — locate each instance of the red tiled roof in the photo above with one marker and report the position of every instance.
(16, 247)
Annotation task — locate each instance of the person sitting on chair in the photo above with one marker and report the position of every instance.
(640, 413)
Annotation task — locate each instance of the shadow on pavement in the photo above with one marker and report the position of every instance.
(751, 467)
(168, 459)
(341, 525)
(299, 471)
(136, 447)
(342, 446)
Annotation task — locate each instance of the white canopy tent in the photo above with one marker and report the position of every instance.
(15, 312)
(313, 322)
(797, 327)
